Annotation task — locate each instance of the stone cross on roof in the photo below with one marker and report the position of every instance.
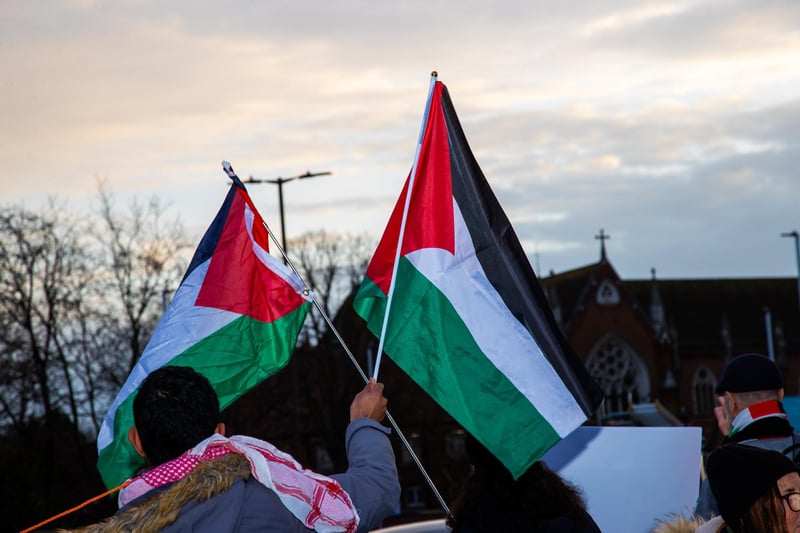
(602, 238)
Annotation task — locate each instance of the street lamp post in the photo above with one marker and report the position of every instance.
(796, 237)
(279, 181)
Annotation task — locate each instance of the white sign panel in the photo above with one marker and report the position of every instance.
(632, 476)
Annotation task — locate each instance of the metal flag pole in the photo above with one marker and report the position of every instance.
(411, 178)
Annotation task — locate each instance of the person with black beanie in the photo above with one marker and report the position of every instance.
(756, 489)
(750, 391)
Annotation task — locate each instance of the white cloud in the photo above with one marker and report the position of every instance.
(668, 123)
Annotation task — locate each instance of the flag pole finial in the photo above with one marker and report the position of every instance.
(228, 169)
(435, 74)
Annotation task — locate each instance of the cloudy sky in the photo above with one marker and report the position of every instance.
(672, 125)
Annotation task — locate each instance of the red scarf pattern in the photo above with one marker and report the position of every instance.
(318, 501)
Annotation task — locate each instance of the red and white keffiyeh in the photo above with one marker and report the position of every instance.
(319, 502)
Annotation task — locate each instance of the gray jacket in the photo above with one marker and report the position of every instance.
(247, 506)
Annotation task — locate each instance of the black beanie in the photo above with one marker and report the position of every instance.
(739, 475)
(749, 372)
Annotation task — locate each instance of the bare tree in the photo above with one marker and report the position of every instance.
(79, 296)
(75, 312)
(333, 265)
(144, 257)
(45, 278)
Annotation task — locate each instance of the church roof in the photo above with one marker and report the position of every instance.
(696, 309)
(568, 288)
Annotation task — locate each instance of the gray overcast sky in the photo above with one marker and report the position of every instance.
(672, 125)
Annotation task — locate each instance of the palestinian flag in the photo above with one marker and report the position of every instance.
(469, 321)
(235, 319)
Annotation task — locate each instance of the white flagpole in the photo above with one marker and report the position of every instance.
(411, 179)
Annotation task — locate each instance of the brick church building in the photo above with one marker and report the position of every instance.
(665, 341)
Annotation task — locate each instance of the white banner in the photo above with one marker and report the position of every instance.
(632, 476)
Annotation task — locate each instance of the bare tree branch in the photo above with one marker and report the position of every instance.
(144, 258)
(332, 265)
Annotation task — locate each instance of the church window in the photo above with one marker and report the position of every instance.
(607, 293)
(621, 374)
(703, 397)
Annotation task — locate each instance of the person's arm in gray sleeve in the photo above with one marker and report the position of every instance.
(371, 479)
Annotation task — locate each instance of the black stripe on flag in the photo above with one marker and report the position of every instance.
(507, 267)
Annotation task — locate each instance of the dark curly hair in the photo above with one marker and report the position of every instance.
(494, 501)
(175, 409)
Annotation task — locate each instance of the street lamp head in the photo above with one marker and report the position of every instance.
(279, 181)
(792, 233)
(309, 174)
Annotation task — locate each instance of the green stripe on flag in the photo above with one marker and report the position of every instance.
(429, 341)
(235, 359)
(118, 461)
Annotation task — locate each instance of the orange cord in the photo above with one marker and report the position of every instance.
(84, 504)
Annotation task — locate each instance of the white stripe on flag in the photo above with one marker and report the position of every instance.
(182, 325)
(505, 342)
(272, 262)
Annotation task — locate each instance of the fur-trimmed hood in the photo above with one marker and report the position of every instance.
(162, 510)
(681, 524)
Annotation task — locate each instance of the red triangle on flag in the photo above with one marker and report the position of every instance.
(429, 223)
(237, 280)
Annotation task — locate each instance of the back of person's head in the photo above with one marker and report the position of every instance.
(744, 480)
(750, 373)
(175, 409)
(494, 501)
